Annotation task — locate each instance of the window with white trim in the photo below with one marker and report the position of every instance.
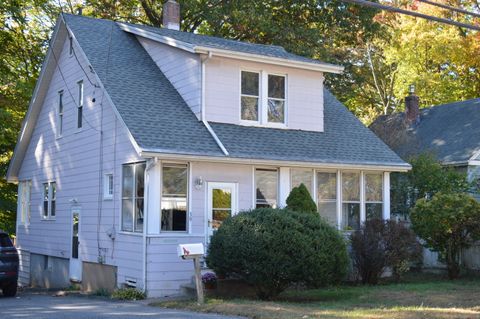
(250, 94)
(266, 186)
(80, 105)
(276, 98)
(350, 200)
(49, 200)
(108, 186)
(174, 197)
(327, 196)
(265, 104)
(60, 114)
(373, 195)
(23, 208)
(133, 187)
(302, 176)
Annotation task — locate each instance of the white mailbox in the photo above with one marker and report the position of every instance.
(190, 251)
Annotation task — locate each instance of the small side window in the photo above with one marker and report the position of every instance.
(108, 186)
(80, 105)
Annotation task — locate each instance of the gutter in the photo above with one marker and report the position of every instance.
(161, 154)
(203, 117)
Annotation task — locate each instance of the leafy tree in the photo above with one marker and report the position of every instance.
(426, 178)
(448, 223)
(24, 30)
(271, 249)
(300, 200)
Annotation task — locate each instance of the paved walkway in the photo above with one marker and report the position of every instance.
(45, 306)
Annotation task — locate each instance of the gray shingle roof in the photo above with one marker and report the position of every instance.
(159, 118)
(345, 140)
(152, 109)
(451, 132)
(227, 44)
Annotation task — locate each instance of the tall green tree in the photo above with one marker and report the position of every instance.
(24, 31)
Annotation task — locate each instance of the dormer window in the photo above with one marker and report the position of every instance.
(276, 98)
(250, 95)
(263, 98)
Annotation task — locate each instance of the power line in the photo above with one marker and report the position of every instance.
(412, 13)
(444, 6)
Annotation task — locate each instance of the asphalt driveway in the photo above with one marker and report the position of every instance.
(45, 306)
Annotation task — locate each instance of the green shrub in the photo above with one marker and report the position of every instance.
(380, 244)
(271, 249)
(128, 294)
(300, 200)
(448, 223)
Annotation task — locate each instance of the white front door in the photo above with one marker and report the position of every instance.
(221, 204)
(75, 261)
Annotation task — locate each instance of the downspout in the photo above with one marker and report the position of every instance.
(150, 165)
(203, 117)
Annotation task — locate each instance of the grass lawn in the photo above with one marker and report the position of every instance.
(417, 297)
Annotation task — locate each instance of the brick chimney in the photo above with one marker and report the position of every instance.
(412, 110)
(171, 15)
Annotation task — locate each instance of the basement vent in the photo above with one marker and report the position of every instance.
(130, 282)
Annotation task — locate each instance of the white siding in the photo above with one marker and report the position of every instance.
(222, 93)
(182, 69)
(74, 163)
(166, 272)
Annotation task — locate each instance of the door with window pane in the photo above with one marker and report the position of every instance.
(222, 203)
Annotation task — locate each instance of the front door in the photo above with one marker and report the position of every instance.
(75, 261)
(222, 203)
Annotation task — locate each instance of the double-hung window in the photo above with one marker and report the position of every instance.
(23, 208)
(264, 104)
(60, 114)
(373, 195)
(80, 105)
(250, 96)
(174, 197)
(266, 181)
(49, 200)
(276, 98)
(133, 187)
(327, 196)
(351, 200)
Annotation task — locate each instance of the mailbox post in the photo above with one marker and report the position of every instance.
(195, 252)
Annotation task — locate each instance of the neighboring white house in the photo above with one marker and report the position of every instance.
(133, 131)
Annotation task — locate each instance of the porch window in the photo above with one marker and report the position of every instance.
(250, 95)
(327, 196)
(49, 199)
(133, 187)
(302, 176)
(373, 195)
(174, 197)
(276, 98)
(351, 200)
(266, 181)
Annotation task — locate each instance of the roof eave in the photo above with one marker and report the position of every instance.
(320, 67)
(169, 155)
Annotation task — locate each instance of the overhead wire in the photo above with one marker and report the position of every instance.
(444, 6)
(379, 6)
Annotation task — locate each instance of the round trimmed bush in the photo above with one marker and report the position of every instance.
(272, 249)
